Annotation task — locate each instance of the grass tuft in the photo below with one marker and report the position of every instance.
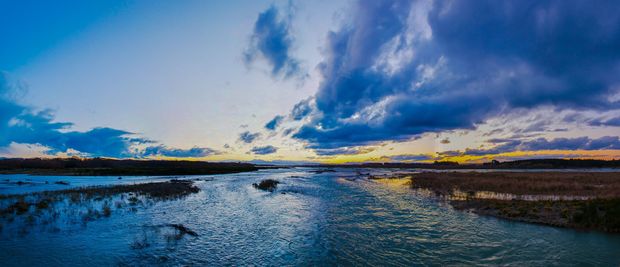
(267, 185)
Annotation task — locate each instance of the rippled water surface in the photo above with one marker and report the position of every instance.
(329, 218)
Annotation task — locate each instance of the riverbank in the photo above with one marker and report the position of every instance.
(582, 200)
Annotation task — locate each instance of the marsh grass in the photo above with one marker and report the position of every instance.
(586, 184)
(267, 185)
(583, 200)
(597, 214)
(170, 233)
(83, 205)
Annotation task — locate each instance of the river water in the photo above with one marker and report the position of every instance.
(326, 219)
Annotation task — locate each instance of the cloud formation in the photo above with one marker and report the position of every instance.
(247, 137)
(164, 151)
(411, 157)
(264, 150)
(271, 40)
(344, 151)
(19, 124)
(613, 121)
(577, 143)
(399, 69)
(301, 109)
(22, 125)
(273, 124)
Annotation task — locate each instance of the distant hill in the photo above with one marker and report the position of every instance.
(101, 166)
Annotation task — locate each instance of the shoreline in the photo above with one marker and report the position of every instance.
(114, 167)
(124, 172)
(574, 214)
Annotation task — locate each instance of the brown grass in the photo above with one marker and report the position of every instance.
(157, 191)
(600, 210)
(596, 214)
(268, 185)
(587, 184)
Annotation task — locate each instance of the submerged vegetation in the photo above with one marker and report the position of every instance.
(170, 233)
(82, 205)
(182, 229)
(585, 200)
(267, 185)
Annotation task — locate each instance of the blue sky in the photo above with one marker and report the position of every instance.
(332, 81)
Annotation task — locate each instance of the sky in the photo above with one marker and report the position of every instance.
(310, 81)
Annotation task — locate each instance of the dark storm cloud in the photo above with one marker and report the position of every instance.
(264, 150)
(271, 40)
(398, 69)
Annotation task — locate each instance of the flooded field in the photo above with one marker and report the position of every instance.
(309, 217)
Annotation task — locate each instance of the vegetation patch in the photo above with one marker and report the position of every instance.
(82, 205)
(100, 166)
(585, 200)
(19, 207)
(267, 185)
(596, 214)
(584, 184)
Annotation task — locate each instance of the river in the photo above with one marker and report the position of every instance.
(313, 218)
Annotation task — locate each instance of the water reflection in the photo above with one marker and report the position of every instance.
(460, 195)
